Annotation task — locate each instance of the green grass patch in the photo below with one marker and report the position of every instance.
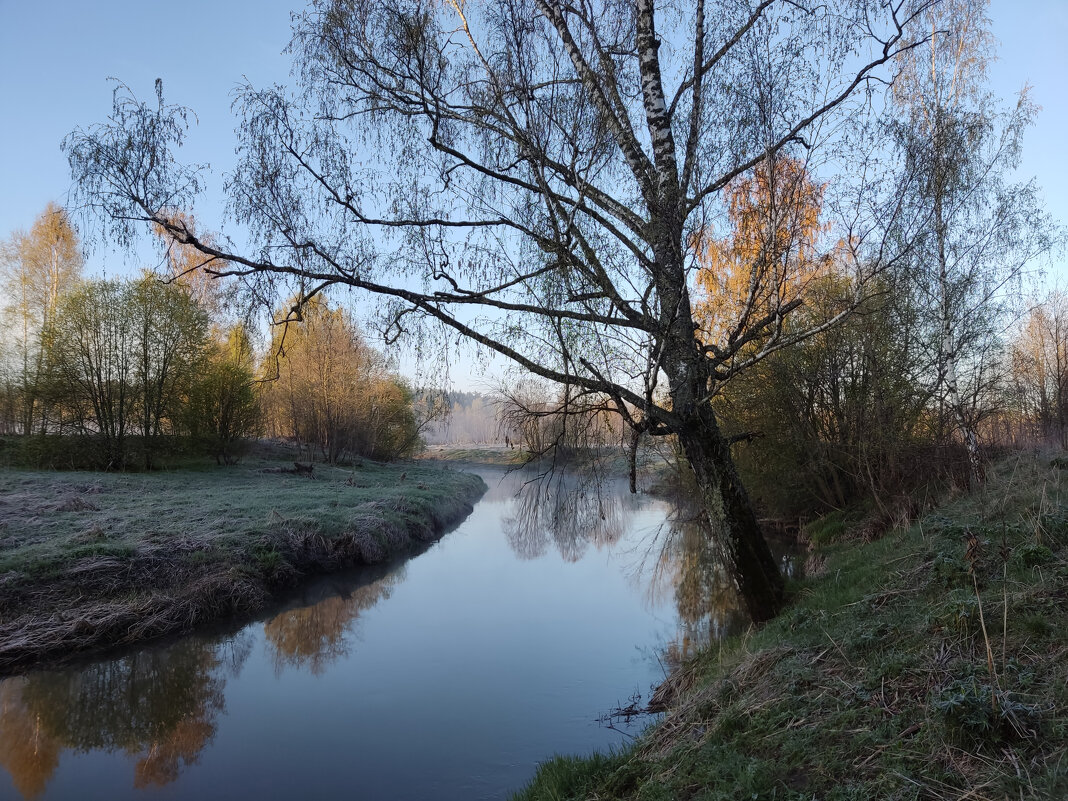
(830, 528)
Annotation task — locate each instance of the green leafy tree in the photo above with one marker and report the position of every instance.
(124, 356)
(833, 421)
(170, 331)
(35, 268)
(94, 358)
(223, 408)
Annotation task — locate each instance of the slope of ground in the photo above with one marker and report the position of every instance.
(930, 664)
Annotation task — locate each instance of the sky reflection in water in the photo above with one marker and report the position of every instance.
(446, 677)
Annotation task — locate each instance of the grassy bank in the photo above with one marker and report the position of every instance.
(932, 663)
(655, 471)
(91, 560)
(497, 455)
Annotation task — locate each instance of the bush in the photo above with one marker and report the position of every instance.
(223, 409)
(84, 451)
(975, 714)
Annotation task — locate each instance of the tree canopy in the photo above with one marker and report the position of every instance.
(533, 176)
(36, 266)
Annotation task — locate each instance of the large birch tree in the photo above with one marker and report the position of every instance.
(532, 176)
(980, 229)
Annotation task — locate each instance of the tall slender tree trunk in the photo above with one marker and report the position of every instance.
(947, 356)
(632, 458)
(727, 507)
(730, 514)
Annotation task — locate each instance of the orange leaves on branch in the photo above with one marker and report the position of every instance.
(769, 259)
(190, 268)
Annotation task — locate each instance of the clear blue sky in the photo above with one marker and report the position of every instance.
(55, 59)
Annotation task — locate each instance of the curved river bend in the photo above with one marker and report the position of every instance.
(449, 676)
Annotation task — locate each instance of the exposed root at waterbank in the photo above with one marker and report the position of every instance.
(171, 584)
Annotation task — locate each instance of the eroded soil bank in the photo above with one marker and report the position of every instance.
(90, 561)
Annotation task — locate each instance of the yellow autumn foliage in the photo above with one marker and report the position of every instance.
(771, 256)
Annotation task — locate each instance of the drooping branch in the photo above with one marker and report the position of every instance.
(432, 305)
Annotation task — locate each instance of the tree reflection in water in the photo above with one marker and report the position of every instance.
(160, 704)
(567, 510)
(313, 636)
(683, 560)
(29, 753)
(686, 560)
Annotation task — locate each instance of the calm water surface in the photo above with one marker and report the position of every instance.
(449, 676)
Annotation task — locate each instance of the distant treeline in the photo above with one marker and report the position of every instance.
(469, 418)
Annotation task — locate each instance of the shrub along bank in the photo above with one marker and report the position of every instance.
(91, 560)
(931, 663)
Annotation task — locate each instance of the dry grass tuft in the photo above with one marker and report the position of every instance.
(75, 504)
(815, 566)
(697, 705)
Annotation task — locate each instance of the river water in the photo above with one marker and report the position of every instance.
(448, 676)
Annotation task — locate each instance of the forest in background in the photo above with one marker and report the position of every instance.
(857, 415)
(116, 374)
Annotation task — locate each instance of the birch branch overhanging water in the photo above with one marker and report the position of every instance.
(511, 173)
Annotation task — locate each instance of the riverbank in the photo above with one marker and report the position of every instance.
(493, 455)
(90, 561)
(932, 663)
(655, 470)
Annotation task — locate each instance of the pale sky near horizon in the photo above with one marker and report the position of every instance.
(56, 58)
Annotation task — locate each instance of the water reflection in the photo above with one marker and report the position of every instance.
(683, 561)
(324, 695)
(315, 635)
(162, 705)
(158, 705)
(27, 752)
(687, 561)
(566, 511)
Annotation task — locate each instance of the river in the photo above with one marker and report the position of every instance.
(447, 676)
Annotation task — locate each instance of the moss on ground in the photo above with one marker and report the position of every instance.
(931, 663)
(89, 560)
